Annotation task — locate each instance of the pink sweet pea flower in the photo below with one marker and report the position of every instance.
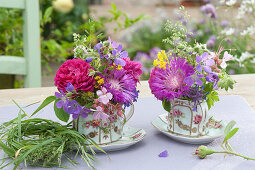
(100, 114)
(104, 97)
(226, 57)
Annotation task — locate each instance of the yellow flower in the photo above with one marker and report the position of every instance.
(97, 77)
(100, 81)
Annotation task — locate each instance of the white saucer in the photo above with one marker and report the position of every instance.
(130, 137)
(161, 124)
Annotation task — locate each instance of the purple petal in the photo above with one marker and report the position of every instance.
(119, 61)
(124, 54)
(89, 59)
(69, 87)
(205, 56)
(60, 104)
(199, 82)
(208, 69)
(75, 116)
(114, 44)
(200, 75)
(199, 68)
(189, 80)
(98, 46)
(58, 95)
(209, 62)
(215, 85)
(163, 154)
(119, 48)
(114, 52)
(198, 59)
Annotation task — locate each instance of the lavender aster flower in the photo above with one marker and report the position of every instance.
(208, 10)
(210, 43)
(224, 23)
(169, 83)
(121, 85)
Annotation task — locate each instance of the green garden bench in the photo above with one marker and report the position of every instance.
(28, 65)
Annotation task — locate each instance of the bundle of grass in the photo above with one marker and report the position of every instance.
(43, 143)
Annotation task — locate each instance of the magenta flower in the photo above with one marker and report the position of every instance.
(76, 72)
(197, 119)
(99, 114)
(104, 97)
(133, 68)
(169, 83)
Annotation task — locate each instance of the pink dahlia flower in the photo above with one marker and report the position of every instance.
(76, 72)
(169, 83)
(133, 68)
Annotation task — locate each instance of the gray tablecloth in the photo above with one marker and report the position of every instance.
(144, 155)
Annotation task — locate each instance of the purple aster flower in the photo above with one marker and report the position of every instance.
(69, 87)
(208, 10)
(142, 57)
(169, 83)
(210, 43)
(154, 52)
(89, 59)
(213, 78)
(224, 23)
(204, 61)
(163, 154)
(121, 85)
(207, 30)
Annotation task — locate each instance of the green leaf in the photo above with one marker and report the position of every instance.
(60, 113)
(6, 149)
(114, 8)
(47, 101)
(212, 98)
(230, 134)
(166, 105)
(229, 127)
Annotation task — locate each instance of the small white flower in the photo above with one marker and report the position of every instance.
(228, 31)
(64, 6)
(231, 2)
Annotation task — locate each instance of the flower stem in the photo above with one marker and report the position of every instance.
(233, 153)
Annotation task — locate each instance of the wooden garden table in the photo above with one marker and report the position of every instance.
(244, 87)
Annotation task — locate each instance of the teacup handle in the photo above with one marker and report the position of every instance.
(130, 114)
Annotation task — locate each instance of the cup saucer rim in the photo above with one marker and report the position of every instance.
(129, 139)
(169, 132)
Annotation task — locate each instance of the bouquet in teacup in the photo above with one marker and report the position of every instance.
(95, 87)
(186, 78)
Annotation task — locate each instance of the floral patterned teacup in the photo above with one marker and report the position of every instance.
(185, 120)
(103, 132)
